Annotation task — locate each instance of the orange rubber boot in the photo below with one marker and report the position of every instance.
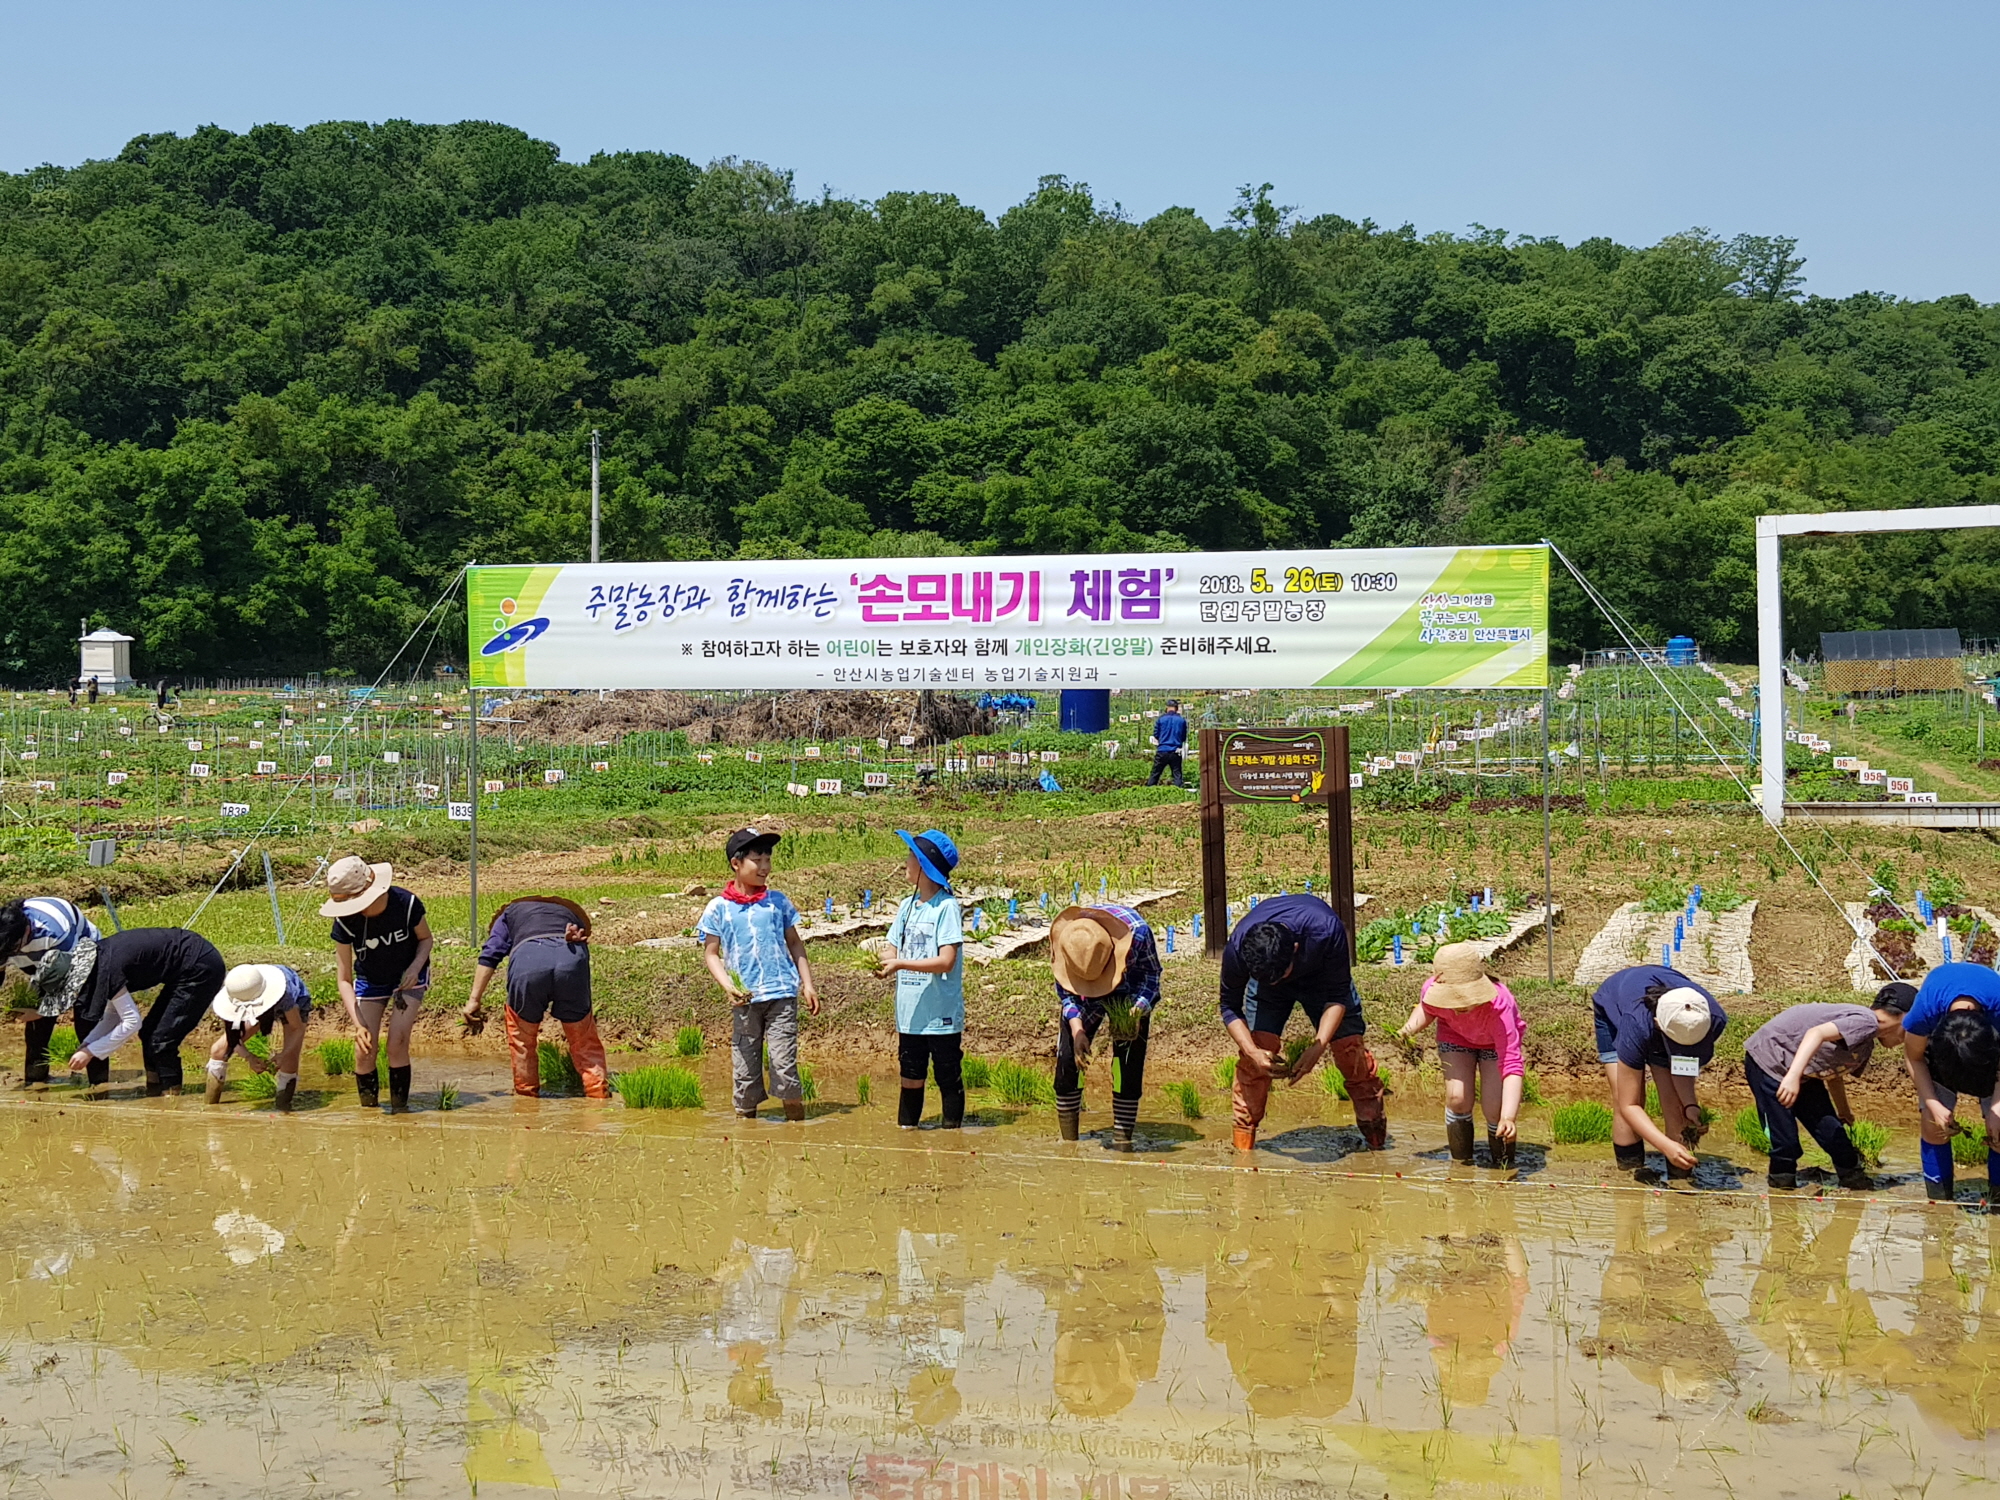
(522, 1054)
(586, 1050)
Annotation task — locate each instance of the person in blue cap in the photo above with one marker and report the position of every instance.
(928, 962)
(1953, 1048)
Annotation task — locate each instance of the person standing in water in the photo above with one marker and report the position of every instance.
(751, 945)
(1649, 1016)
(255, 997)
(382, 949)
(1796, 1064)
(186, 969)
(1953, 1049)
(1479, 1041)
(927, 960)
(52, 943)
(1292, 951)
(544, 942)
(1104, 959)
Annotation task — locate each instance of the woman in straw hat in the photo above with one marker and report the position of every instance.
(382, 943)
(1479, 1039)
(544, 942)
(255, 997)
(1105, 960)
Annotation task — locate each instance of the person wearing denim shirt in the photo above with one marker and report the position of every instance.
(926, 957)
(1102, 954)
(754, 931)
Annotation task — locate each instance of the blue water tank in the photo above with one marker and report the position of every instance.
(1085, 710)
(1682, 652)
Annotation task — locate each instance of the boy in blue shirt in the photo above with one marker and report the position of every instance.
(928, 937)
(754, 931)
(1950, 1040)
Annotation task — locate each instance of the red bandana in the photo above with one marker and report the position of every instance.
(731, 892)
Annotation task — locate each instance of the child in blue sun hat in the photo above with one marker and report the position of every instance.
(928, 962)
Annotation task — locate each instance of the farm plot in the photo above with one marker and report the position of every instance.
(1714, 946)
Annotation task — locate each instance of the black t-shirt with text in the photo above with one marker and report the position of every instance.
(383, 945)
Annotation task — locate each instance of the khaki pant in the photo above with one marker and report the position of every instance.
(754, 1026)
(1251, 1096)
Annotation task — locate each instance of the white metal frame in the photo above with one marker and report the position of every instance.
(1771, 615)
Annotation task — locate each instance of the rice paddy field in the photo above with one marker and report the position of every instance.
(652, 1297)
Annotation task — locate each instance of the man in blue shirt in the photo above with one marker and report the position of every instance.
(1105, 960)
(1292, 951)
(1170, 732)
(1953, 1048)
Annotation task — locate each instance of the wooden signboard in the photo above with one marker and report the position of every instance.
(1266, 766)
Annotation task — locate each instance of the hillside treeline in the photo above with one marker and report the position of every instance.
(264, 393)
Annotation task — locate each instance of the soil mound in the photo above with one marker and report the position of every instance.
(586, 718)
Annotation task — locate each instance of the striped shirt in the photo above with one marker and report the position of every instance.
(54, 925)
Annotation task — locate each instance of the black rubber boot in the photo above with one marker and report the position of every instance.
(1499, 1152)
(97, 1072)
(910, 1108)
(287, 1092)
(1629, 1158)
(1940, 1192)
(1458, 1136)
(1781, 1182)
(399, 1090)
(1857, 1180)
(954, 1108)
(1067, 1121)
(1121, 1138)
(368, 1088)
(38, 1031)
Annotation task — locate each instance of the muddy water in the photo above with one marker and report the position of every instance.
(508, 1298)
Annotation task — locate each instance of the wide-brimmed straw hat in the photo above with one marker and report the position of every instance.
(1089, 948)
(352, 885)
(248, 990)
(1459, 978)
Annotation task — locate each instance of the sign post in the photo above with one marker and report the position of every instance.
(1303, 766)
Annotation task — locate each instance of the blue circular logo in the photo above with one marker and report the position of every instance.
(515, 638)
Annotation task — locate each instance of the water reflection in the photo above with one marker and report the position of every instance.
(554, 1299)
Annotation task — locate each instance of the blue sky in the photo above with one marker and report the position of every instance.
(1868, 131)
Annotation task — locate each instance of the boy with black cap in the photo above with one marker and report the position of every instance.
(1796, 1064)
(751, 944)
(928, 961)
(1101, 954)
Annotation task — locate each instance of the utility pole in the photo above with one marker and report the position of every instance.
(593, 494)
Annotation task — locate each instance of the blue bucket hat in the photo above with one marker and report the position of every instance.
(935, 852)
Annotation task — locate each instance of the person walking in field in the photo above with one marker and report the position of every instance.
(53, 944)
(1953, 1050)
(1652, 1017)
(926, 956)
(1796, 1064)
(186, 969)
(1107, 969)
(751, 944)
(545, 943)
(1479, 1040)
(255, 998)
(382, 953)
(1170, 732)
(1292, 951)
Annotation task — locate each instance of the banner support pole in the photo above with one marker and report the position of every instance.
(1548, 857)
(1214, 860)
(1340, 830)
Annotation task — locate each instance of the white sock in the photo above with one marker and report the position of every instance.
(287, 1078)
(218, 1069)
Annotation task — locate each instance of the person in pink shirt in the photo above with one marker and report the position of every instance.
(1479, 1030)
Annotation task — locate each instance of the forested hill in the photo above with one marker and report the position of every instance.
(265, 392)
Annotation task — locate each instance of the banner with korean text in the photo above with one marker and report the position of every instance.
(1378, 618)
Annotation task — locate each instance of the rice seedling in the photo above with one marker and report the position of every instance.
(1750, 1130)
(63, 1042)
(1225, 1073)
(669, 1087)
(1294, 1046)
(1581, 1123)
(688, 1042)
(864, 1089)
(1120, 1019)
(1968, 1146)
(1187, 1096)
(977, 1072)
(257, 1086)
(258, 1046)
(1332, 1083)
(1016, 1084)
(1869, 1139)
(336, 1055)
(808, 1088)
(558, 1071)
(448, 1096)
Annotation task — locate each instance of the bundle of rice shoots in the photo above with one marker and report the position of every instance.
(688, 1042)
(558, 1070)
(669, 1087)
(336, 1055)
(1187, 1096)
(1120, 1020)
(1581, 1123)
(977, 1072)
(1018, 1085)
